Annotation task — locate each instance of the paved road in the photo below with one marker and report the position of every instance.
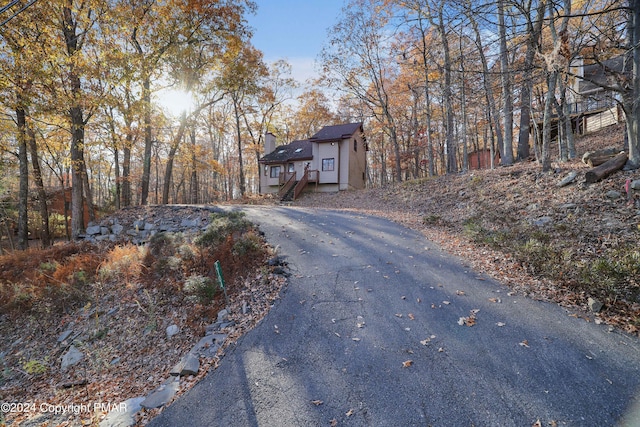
(367, 296)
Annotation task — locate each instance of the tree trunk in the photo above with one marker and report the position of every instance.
(45, 235)
(170, 158)
(450, 144)
(239, 137)
(23, 193)
(492, 110)
(427, 98)
(546, 123)
(77, 123)
(630, 99)
(88, 193)
(194, 169)
(507, 150)
(465, 153)
(596, 158)
(116, 157)
(146, 160)
(534, 31)
(606, 169)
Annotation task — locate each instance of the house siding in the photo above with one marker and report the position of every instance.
(357, 163)
(328, 151)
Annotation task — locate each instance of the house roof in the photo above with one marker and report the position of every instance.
(336, 133)
(296, 150)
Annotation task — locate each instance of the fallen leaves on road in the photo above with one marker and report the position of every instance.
(317, 402)
(350, 412)
(469, 320)
(525, 343)
(407, 363)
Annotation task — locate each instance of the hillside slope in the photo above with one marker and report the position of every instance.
(565, 244)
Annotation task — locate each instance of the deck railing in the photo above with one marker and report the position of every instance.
(287, 180)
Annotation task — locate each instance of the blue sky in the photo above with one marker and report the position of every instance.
(294, 30)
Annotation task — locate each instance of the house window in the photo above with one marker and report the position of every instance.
(274, 171)
(328, 164)
(355, 144)
(291, 167)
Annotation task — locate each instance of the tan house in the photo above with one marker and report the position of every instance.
(332, 160)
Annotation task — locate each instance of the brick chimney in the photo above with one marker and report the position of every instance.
(269, 143)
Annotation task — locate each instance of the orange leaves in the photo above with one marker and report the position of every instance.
(407, 363)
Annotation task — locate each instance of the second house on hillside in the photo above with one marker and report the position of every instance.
(333, 159)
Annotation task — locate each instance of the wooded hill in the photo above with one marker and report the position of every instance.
(82, 84)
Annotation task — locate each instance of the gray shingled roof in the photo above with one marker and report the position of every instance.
(296, 150)
(336, 133)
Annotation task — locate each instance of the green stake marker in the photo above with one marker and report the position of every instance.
(221, 281)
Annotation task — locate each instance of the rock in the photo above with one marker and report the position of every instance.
(569, 206)
(223, 315)
(63, 336)
(117, 229)
(172, 330)
(71, 357)
(635, 185)
(595, 305)
(190, 223)
(104, 230)
(162, 395)
(568, 179)
(148, 226)
(93, 230)
(613, 195)
(188, 365)
(542, 221)
(208, 345)
(139, 224)
(123, 415)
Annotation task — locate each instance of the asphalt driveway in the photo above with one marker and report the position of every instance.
(377, 327)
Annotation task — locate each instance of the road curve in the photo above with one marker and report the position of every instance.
(368, 333)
